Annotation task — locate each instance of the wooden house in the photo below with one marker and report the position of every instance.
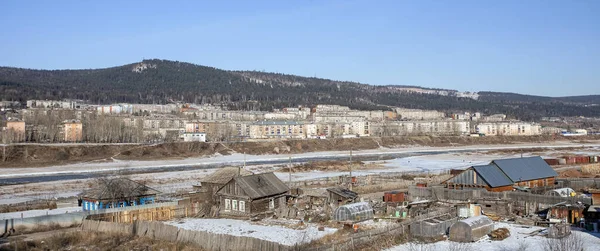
(505, 175)
(210, 184)
(117, 192)
(252, 195)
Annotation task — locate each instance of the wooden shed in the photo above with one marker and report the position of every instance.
(341, 196)
(471, 229)
(252, 195)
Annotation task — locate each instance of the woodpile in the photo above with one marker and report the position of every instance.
(499, 234)
(494, 217)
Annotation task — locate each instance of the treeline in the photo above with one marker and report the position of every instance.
(164, 81)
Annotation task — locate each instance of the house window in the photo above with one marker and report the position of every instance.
(234, 205)
(242, 206)
(227, 204)
(271, 204)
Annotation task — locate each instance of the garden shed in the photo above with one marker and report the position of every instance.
(432, 227)
(355, 212)
(471, 229)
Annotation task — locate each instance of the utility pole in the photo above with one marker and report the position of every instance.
(244, 166)
(290, 171)
(350, 168)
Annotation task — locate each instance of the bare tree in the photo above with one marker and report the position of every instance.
(572, 242)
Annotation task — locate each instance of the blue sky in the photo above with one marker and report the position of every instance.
(545, 47)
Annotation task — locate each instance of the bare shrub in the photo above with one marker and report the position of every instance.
(521, 246)
(419, 246)
(459, 246)
(573, 242)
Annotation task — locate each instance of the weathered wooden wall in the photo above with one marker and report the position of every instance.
(206, 240)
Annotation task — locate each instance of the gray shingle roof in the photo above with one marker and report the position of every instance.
(493, 176)
(523, 169)
(261, 185)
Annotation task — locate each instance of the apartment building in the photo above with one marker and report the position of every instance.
(440, 127)
(72, 131)
(277, 129)
(508, 129)
(418, 114)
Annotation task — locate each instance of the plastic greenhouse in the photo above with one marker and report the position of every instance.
(355, 212)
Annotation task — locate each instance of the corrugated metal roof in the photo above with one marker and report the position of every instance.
(523, 169)
(261, 185)
(492, 175)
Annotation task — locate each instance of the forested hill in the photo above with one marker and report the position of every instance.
(162, 81)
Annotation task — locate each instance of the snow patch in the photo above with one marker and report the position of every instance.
(283, 235)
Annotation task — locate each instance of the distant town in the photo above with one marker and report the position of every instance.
(56, 121)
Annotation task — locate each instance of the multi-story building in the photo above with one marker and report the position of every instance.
(72, 131)
(196, 126)
(417, 114)
(277, 129)
(509, 129)
(440, 127)
(14, 131)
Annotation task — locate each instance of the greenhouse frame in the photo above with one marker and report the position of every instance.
(354, 212)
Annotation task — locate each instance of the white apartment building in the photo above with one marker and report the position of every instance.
(440, 127)
(509, 129)
(417, 114)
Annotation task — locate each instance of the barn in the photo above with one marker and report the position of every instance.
(471, 229)
(252, 195)
(505, 175)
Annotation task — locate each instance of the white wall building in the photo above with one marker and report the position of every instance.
(509, 129)
(194, 137)
(417, 114)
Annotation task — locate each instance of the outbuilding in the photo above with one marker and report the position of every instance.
(352, 213)
(471, 229)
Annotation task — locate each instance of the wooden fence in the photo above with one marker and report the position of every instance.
(529, 202)
(578, 183)
(409, 178)
(205, 240)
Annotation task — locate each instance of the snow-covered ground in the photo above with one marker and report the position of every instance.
(238, 158)
(519, 240)
(169, 182)
(280, 234)
(34, 213)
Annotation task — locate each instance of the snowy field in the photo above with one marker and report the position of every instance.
(280, 234)
(519, 240)
(34, 213)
